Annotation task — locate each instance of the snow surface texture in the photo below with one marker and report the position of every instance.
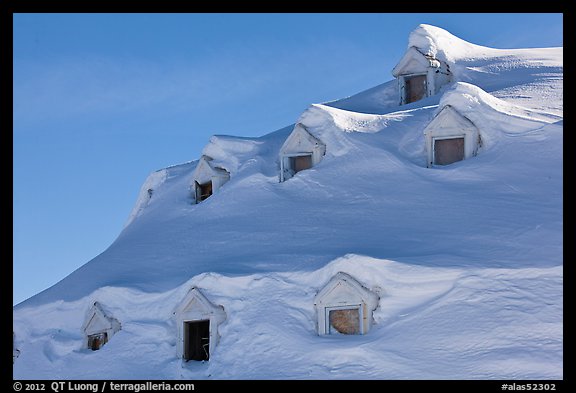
(466, 258)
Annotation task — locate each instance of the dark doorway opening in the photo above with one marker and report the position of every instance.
(447, 151)
(299, 163)
(415, 88)
(203, 191)
(96, 341)
(197, 340)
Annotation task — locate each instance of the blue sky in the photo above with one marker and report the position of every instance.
(102, 100)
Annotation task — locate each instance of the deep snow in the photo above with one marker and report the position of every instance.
(467, 258)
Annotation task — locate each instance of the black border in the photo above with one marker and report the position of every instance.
(319, 6)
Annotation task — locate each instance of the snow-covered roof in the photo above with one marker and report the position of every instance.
(302, 136)
(449, 114)
(414, 55)
(97, 319)
(445, 264)
(195, 299)
(438, 43)
(230, 152)
(343, 281)
(206, 163)
(492, 116)
(336, 127)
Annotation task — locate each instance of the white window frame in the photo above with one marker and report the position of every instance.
(403, 86)
(441, 138)
(358, 307)
(285, 165)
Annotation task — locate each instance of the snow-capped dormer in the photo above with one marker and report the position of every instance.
(344, 306)
(98, 327)
(197, 320)
(300, 151)
(450, 137)
(207, 179)
(420, 75)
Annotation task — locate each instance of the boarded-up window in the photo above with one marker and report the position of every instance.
(197, 340)
(203, 191)
(300, 163)
(447, 151)
(345, 321)
(415, 88)
(96, 341)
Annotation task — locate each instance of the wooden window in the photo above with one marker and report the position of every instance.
(96, 341)
(344, 321)
(300, 163)
(415, 88)
(197, 340)
(447, 151)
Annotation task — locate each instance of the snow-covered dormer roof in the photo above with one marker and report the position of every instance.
(301, 140)
(479, 106)
(415, 61)
(97, 320)
(449, 117)
(489, 114)
(432, 46)
(344, 289)
(196, 303)
(205, 165)
(443, 45)
(206, 171)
